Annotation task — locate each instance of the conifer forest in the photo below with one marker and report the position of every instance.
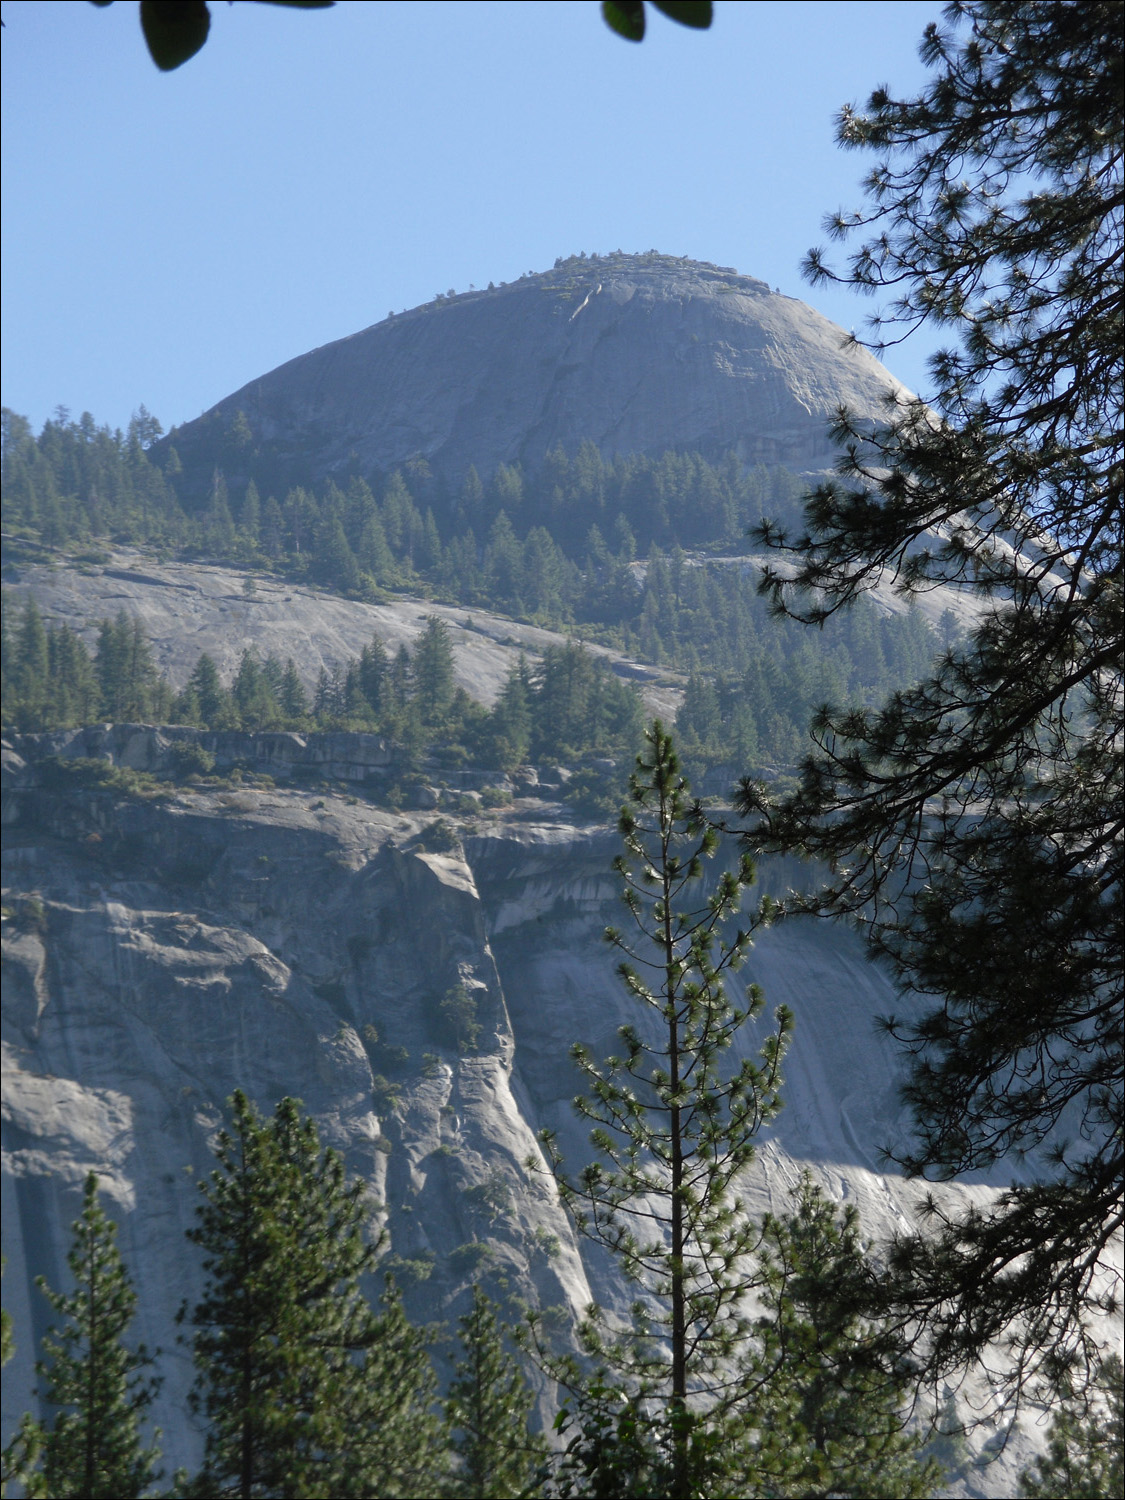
(620, 995)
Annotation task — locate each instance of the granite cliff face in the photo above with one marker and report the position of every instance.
(635, 353)
(160, 951)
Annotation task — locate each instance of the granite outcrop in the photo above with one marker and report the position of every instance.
(166, 943)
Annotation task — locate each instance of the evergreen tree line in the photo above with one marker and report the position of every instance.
(51, 681)
(79, 482)
(563, 705)
(306, 1387)
(584, 543)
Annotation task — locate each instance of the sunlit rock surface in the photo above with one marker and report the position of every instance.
(161, 951)
(635, 353)
(187, 608)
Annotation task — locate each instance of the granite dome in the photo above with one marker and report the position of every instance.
(636, 353)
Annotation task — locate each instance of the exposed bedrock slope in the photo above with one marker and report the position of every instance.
(187, 608)
(636, 353)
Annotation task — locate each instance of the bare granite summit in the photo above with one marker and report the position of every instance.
(634, 353)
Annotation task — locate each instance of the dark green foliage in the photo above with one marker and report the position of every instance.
(536, 531)
(673, 1130)
(833, 1389)
(507, 739)
(994, 210)
(627, 17)
(703, 1395)
(385, 1094)
(305, 1390)
(1086, 1443)
(51, 682)
(439, 837)
(593, 793)
(292, 698)
(18, 1457)
(491, 1197)
(487, 1409)
(73, 681)
(255, 692)
(91, 774)
(614, 1449)
(205, 701)
(559, 550)
(192, 760)
(131, 689)
(471, 1256)
(459, 1010)
(78, 481)
(578, 703)
(93, 1446)
(218, 533)
(398, 1444)
(175, 33)
(433, 673)
(30, 663)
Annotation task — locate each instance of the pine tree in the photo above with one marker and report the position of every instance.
(698, 721)
(253, 696)
(832, 1389)
(335, 562)
(487, 1408)
(503, 566)
(398, 516)
(994, 213)
(373, 668)
(433, 672)
(508, 730)
(1085, 1457)
(273, 529)
(374, 555)
(543, 575)
(215, 705)
(470, 503)
(429, 543)
(32, 668)
(400, 679)
(250, 518)
(304, 1389)
(673, 1133)
(19, 1457)
(399, 1445)
(73, 690)
(293, 699)
(131, 690)
(330, 700)
(93, 1446)
(219, 523)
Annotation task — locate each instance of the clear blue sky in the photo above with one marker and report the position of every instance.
(168, 237)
